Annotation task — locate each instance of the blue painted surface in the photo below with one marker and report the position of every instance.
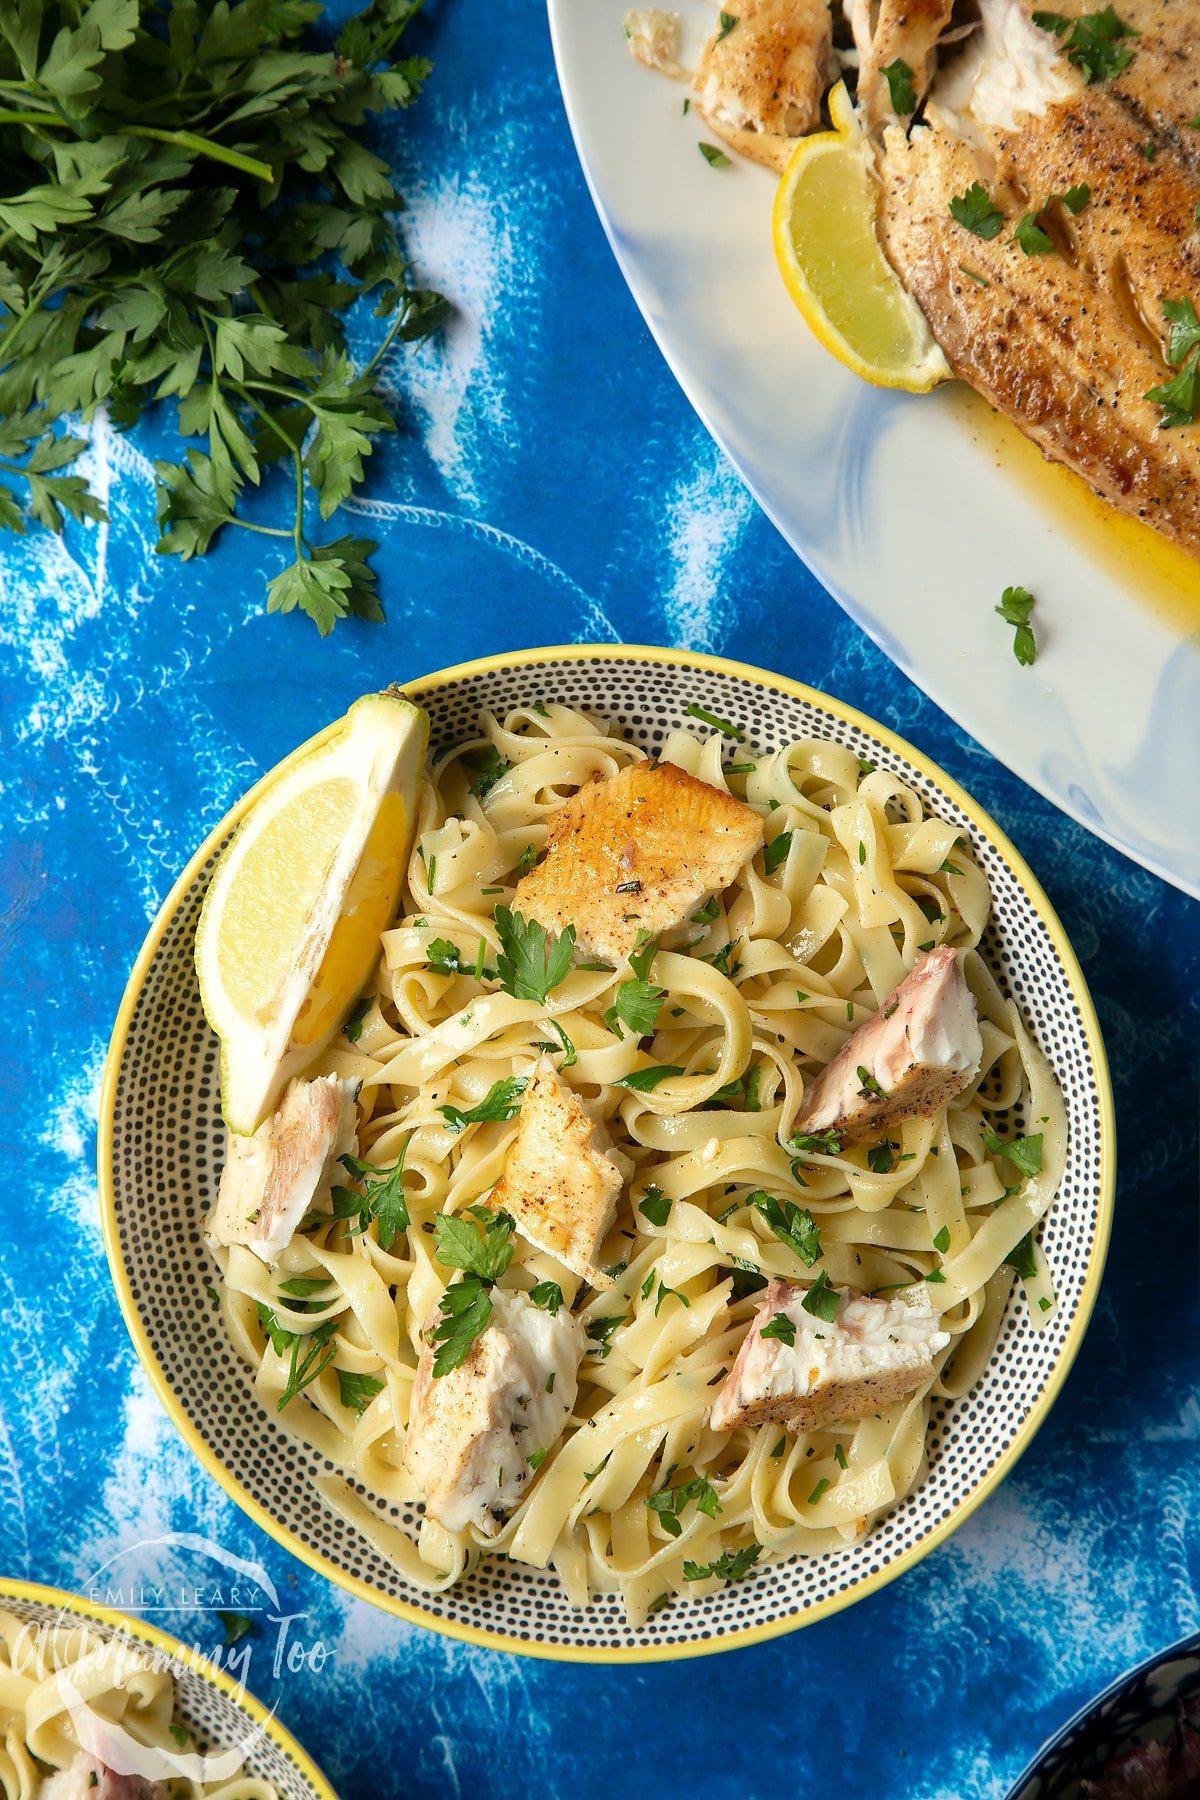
(550, 484)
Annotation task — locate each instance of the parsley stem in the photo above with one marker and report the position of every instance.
(17, 116)
(188, 140)
(388, 341)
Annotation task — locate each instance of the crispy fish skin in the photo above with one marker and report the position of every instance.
(918, 1051)
(872, 1354)
(638, 852)
(561, 1181)
(1066, 344)
(759, 84)
(889, 30)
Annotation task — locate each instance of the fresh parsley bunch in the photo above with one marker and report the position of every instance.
(188, 213)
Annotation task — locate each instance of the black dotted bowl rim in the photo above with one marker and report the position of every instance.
(43, 1604)
(705, 1640)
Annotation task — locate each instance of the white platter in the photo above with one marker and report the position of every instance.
(915, 511)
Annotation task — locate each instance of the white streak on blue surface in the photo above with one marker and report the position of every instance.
(705, 517)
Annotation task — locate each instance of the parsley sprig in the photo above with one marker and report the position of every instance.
(793, 1225)
(1016, 605)
(531, 960)
(976, 212)
(1178, 397)
(501, 1102)
(730, 1565)
(1093, 41)
(191, 212)
(381, 1203)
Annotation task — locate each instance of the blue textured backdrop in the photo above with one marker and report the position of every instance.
(550, 483)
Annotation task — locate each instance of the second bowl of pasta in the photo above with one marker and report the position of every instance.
(699, 1206)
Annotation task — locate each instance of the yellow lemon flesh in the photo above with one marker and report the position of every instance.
(831, 261)
(291, 922)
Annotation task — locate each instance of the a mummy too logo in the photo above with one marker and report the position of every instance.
(230, 1618)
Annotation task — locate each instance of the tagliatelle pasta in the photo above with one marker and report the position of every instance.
(84, 1713)
(760, 990)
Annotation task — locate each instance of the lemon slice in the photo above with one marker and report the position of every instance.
(291, 921)
(829, 255)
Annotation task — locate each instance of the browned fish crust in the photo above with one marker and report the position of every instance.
(1068, 343)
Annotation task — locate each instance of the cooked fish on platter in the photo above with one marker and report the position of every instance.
(1035, 178)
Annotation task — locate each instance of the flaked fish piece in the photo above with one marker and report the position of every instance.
(636, 853)
(870, 1355)
(653, 38)
(477, 1435)
(890, 31)
(86, 1778)
(562, 1177)
(760, 80)
(271, 1179)
(912, 1056)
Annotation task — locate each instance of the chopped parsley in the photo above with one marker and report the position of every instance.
(548, 1295)
(716, 159)
(780, 1447)
(821, 1300)
(492, 768)
(1016, 604)
(1076, 198)
(236, 1626)
(881, 1158)
(637, 1006)
(820, 1488)
(868, 1087)
(668, 1503)
(793, 1225)
(839, 1455)
(866, 766)
(699, 712)
(1093, 41)
(1022, 1259)
(1031, 237)
(655, 1206)
(352, 1029)
(537, 1458)
(482, 1247)
(570, 1054)
(728, 21)
(382, 1202)
(729, 1566)
(444, 958)
(976, 212)
(644, 1081)
(357, 1391)
(708, 912)
(899, 78)
(502, 1101)
(527, 859)
(531, 960)
(600, 1331)
(780, 1327)
(1178, 396)
(776, 851)
(942, 1240)
(309, 1353)
(1185, 328)
(720, 961)
(1024, 1153)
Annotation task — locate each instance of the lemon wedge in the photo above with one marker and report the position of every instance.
(831, 261)
(290, 928)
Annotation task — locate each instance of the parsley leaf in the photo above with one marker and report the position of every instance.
(1022, 1259)
(1178, 396)
(1185, 328)
(445, 958)
(975, 211)
(941, 1241)
(480, 1245)
(236, 1626)
(548, 1295)
(637, 1006)
(1016, 604)
(716, 159)
(655, 1206)
(531, 960)
(793, 1225)
(1093, 41)
(1024, 1153)
(730, 1567)
(821, 1300)
(776, 851)
(881, 1158)
(1030, 236)
(669, 1503)
(644, 1081)
(357, 1391)
(309, 1353)
(501, 1102)
(570, 1054)
(728, 21)
(383, 1202)
(352, 1029)
(899, 78)
(492, 767)
(714, 719)
(780, 1327)
(601, 1330)
(463, 1316)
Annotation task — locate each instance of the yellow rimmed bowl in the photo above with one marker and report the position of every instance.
(219, 1714)
(162, 1145)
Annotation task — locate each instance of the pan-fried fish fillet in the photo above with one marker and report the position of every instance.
(638, 852)
(271, 1179)
(562, 1177)
(471, 1433)
(86, 1778)
(910, 1058)
(759, 83)
(1068, 343)
(871, 1354)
